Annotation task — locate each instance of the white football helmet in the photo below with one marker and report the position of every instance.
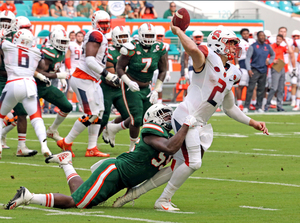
(121, 34)
(59, 39)
(23, 37)
(7, 21)
(294, 33)
(101, 21)
(217, 40)
(160, 33)
(149, 30)
(156, 113)
(198, 37)
(22, 22)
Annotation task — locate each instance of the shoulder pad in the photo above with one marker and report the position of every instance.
(129, 46)
(124, 51)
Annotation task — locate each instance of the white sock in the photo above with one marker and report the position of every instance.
(70, 172)
(132, 142)
(179, 176)
(239, 102)
(77, 128)
(39, 128)
(60, 117)
(120, 126)
(253, 102)
(293, 97)
(21, 139)
(46, 200)
(93, 130)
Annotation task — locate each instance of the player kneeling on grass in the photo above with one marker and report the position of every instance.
(111, 175)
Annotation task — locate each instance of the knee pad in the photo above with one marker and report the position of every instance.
(87, 119)
(195, 165)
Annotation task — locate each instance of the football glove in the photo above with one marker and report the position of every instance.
(153, 97)
(190, 121)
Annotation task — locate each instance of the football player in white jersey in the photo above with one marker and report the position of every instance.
(211, 86)
(21, 61)
(288, 58)
(84, 82)
(72, 59)
(240, 63)
(160, 36)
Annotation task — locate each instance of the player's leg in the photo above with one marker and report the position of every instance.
(134, 104)
(33, 108)
(57, 98)
(274, 87)
(9, 122)
(103, 183)
(113, 129)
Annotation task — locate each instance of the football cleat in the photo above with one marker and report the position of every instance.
(105, 135)
(293, 103)
(94, 152)
(23, 151)
(110, 134)
(23, 196)
(65, 146)
(166, 205)
(130, 195)
(63, 158)
(245, 110)
(53, 134)
(252, 107)
(3, 143)
(295, 108)
(241, 107)
(46, 151)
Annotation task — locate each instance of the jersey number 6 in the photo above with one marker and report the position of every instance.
(215, 90)
(23, 58)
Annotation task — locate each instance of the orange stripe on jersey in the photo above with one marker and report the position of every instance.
(152, 126)
(82, 75)
(204, 50)
(110, 56)
(48, 53)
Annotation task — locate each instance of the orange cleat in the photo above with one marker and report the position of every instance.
(241, 107)
(252, 107)
(65, 146)
(94, 152)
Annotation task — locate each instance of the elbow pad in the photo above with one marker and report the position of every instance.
(93, 64)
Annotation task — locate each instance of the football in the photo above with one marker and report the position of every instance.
(181, 19)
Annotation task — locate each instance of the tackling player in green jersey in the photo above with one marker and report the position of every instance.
(109, 176)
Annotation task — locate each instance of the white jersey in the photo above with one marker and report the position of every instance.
(209, 87)
(245, 46)
(101, 57)
(76, 51)
(20, 61)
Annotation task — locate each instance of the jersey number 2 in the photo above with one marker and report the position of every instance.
(23, 58)
(215, 90)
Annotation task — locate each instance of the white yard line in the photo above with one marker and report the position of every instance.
(260, 208)
(92, 214)
(256, 154)
(5, 217)
(245, 181)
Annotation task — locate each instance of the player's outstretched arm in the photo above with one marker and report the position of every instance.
(190, 48)
(234, 112)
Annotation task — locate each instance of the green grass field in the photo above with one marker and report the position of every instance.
(245, 177)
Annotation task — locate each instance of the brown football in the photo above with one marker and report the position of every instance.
(181, 19)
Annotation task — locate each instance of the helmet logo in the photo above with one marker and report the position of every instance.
(216, 34)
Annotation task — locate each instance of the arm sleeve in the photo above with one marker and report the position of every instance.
(248, 57)
(272, 55)
(233, 111)
(93, 65)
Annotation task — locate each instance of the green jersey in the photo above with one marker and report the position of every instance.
(144, 162)
(113, 57)
(142, 64)
(56, 56)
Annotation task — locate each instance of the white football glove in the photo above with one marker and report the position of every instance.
(64, 85)
(153, 97)
(190, 121)
(168, 76)
(133, 86)
(43, 78)
(63, 75)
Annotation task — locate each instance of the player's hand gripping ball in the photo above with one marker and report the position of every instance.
(181, 19)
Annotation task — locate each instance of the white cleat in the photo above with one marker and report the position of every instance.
(296, 108)
(130, 195)
(245, 110)
(3, 142)
(23, 151)
(23, 196)
(105, 135)
(63, 158)
(166, 205)
(53, 134)
(111, 133)
(46, 151)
